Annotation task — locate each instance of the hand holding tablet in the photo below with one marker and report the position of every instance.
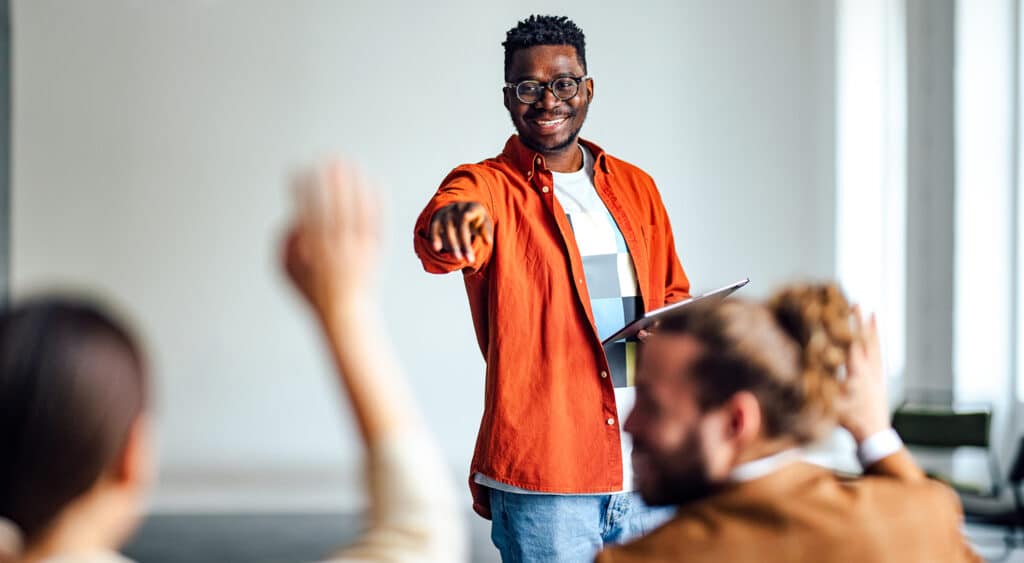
(651, 318)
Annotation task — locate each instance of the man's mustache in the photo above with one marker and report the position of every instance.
(545, 115)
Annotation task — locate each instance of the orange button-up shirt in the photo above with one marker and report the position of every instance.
(549, 422)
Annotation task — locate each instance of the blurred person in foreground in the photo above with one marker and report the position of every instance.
(75, 439)
(726, 398)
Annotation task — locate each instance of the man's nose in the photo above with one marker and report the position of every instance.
(547, 100)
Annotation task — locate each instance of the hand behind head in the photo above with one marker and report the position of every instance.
(863, 404)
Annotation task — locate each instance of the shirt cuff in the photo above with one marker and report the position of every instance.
(878, 446)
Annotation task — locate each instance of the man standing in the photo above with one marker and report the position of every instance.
(560, 245)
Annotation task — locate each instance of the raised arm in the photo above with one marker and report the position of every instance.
(864, 407)
(330, 253)
(864, 412)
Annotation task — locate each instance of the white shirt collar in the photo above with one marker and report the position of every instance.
(585, 171)
(764, 466)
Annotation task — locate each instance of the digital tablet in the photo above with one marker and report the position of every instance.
(654, 316)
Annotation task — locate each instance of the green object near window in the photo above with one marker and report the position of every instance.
(942, 428)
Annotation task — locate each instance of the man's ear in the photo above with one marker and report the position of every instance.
(745, 422)
(590, 89)
(504, 98)
(132, 466)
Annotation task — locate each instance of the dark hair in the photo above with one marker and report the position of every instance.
(544, 30)
(71, 386)
(788, 352)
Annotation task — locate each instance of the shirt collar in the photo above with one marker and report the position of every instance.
(530, 162)
(764, 466)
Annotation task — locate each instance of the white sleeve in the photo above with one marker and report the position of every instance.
(878, 446)
(413, 513)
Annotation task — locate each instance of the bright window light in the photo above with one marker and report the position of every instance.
(983, 299)
(871, 164)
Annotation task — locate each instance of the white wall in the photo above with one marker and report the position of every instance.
(151, 141)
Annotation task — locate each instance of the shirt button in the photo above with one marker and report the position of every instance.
(545, 189)
(604, 374)
(611, 421)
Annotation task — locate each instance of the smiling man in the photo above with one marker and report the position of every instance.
(560, 244)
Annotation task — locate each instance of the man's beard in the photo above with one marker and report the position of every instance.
(571, 140)
(679, 477)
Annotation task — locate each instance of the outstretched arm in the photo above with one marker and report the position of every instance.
(455, 231)
(329, 255)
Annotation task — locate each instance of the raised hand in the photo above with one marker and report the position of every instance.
(455, 226)
(332, 243)
(864, 403)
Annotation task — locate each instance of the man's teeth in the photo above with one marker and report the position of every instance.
(548, 123)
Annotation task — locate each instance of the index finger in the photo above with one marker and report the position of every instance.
(466, 238)
(435, 233)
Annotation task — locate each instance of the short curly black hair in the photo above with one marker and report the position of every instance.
(544, 30)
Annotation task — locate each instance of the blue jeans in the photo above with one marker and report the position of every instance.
(567, 528)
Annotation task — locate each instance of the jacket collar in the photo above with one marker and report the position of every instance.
(785, 482)
(530, 162)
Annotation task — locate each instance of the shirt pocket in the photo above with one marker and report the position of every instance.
(538, 242)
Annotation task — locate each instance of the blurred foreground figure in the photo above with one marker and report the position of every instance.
(727, 396)
(75, 446)
(330, 256)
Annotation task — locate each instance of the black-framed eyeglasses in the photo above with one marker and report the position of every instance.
(532, 91)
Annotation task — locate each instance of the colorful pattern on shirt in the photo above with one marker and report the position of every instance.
(611, 282)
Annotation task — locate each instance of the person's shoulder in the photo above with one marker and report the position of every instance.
(494, 168)
(486, 173)
(617, 165)
(622, 164)
(913, 510)
(627, 174)
(927, 492)
(924, 516)
(479, 166)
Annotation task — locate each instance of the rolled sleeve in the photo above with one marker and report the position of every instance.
(414, 515)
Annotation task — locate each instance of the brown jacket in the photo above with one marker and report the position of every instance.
(805, 513)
